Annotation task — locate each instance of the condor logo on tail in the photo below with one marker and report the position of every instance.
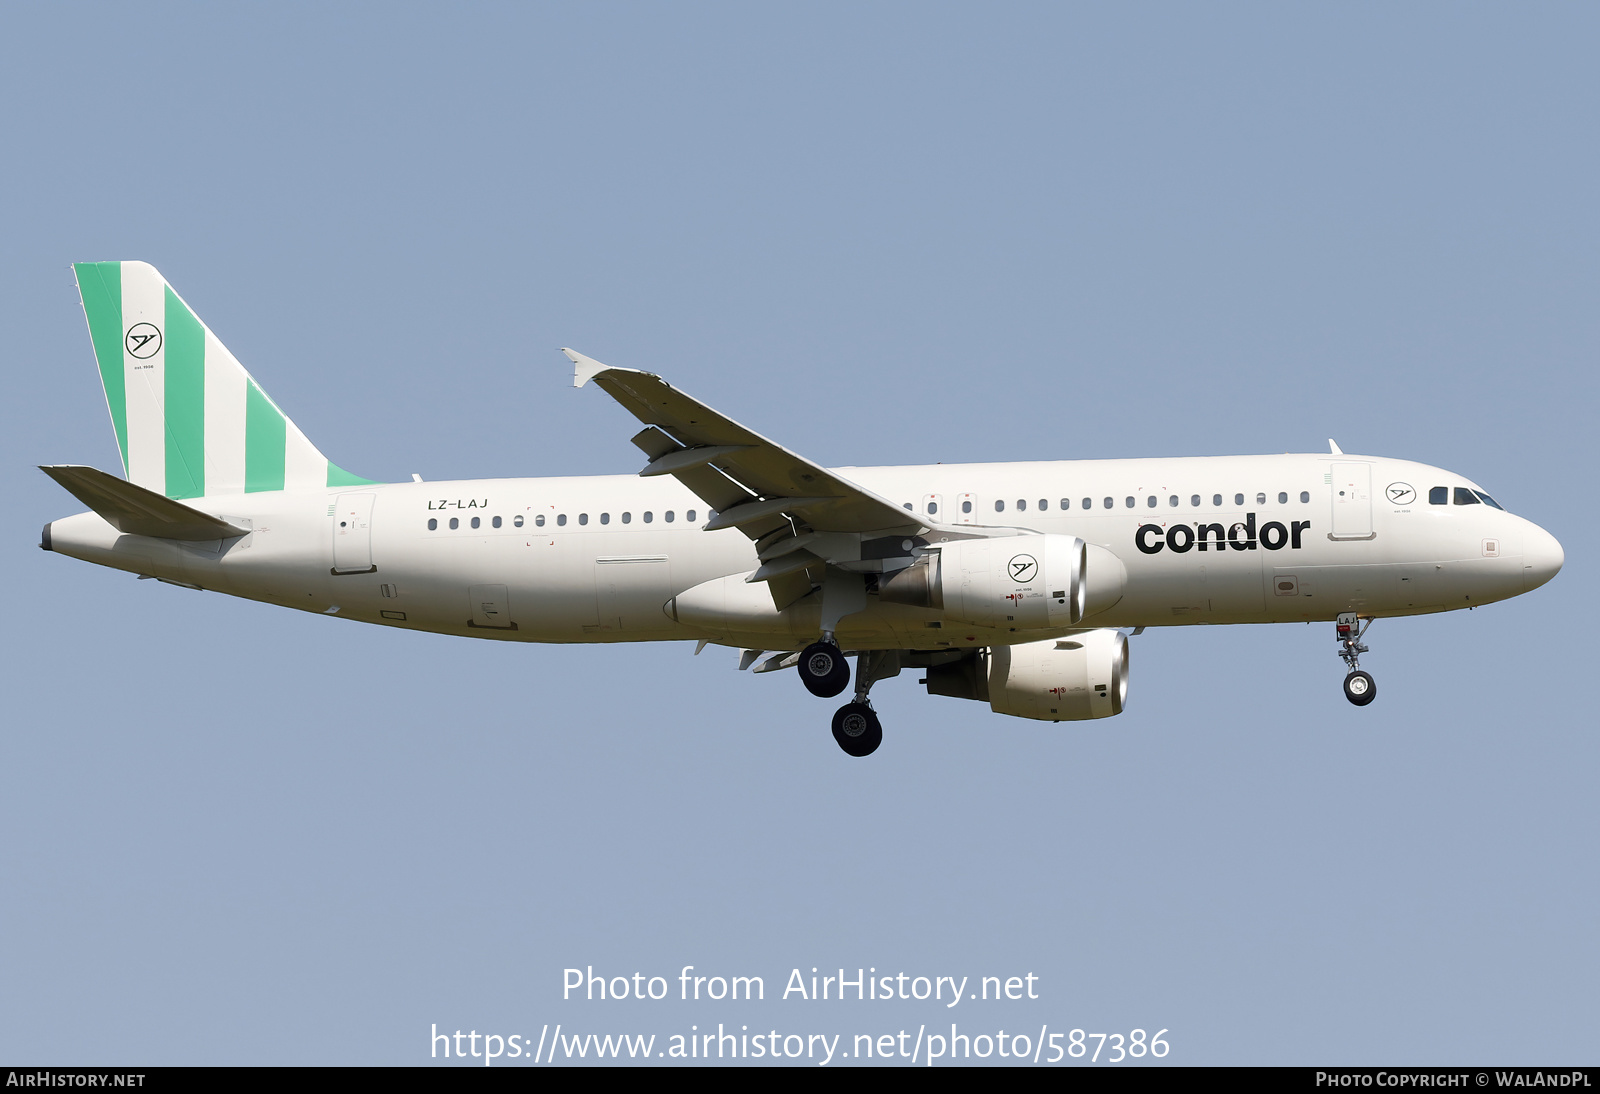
(1180, 538)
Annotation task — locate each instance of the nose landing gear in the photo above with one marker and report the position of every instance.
(1359, 686)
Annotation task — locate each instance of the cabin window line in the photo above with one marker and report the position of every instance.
(454, 523)
(1022, 505)
(475, 522)
(1066, 503)
(1150, 503)
(433, 524)
(1283, 497)
(1109, 503)
(1216, 499)
(668, 516)
(1173, 501)
(999, 506)
(689, 515)
(649, 516)
(1305, 496)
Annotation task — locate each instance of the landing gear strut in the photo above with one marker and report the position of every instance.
(1359, 687)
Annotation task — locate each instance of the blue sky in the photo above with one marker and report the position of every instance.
(879, 234)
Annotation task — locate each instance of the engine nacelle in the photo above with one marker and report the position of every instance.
(1058, 680)
(1030, 582)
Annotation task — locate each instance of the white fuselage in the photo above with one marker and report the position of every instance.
(599, 559)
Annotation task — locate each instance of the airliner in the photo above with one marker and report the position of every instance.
(1015, 584)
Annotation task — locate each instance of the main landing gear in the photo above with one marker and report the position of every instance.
(855, 725)
(823, 669)
(1359, 687)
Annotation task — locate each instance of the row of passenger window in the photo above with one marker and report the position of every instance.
(670, 516)
(1151, 502)
(1440, 495)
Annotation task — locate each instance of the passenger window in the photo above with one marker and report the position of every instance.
(1283, 497)
(561, 521)
(1044, 505)
(999, 506)
(1150, 502)
(1173, 501)
(1465, 496)
(966, 507)
(689, 515)
(1216, 499)
(495, 523)
(454, 523)
(1439, 495)
(1066, 503)
(1194, 499)
(433, 524)
(1022, 505)
(605, 518)
(1129, 502)
(1238, 499)
(539, 520)
(1088, 503)
(475, 522)
(669, 516)
(1305, 496)
(649, 516)
(583, 518)
(627, 518)
(517, 520)
(906, 505)
(1107, 503)
(933, 507)
(1261, 499)
(1487, 500)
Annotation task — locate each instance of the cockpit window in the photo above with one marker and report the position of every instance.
(1439, 495)
(1465, 496)
(1487, 500)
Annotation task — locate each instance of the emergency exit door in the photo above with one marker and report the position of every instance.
(352, 534)
(1352, 501)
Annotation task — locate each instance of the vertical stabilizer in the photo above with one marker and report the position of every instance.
(190, 421)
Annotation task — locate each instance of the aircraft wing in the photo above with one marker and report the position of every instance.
(686, 435)
(777, 498)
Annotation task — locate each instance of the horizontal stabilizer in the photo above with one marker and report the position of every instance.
(136, 511)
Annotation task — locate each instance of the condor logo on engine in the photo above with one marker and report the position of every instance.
(1241, 536)
(1023, 568)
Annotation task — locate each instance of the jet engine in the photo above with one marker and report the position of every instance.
(1030, 582)
(1081, 676)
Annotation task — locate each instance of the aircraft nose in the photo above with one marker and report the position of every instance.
(1541, 558)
